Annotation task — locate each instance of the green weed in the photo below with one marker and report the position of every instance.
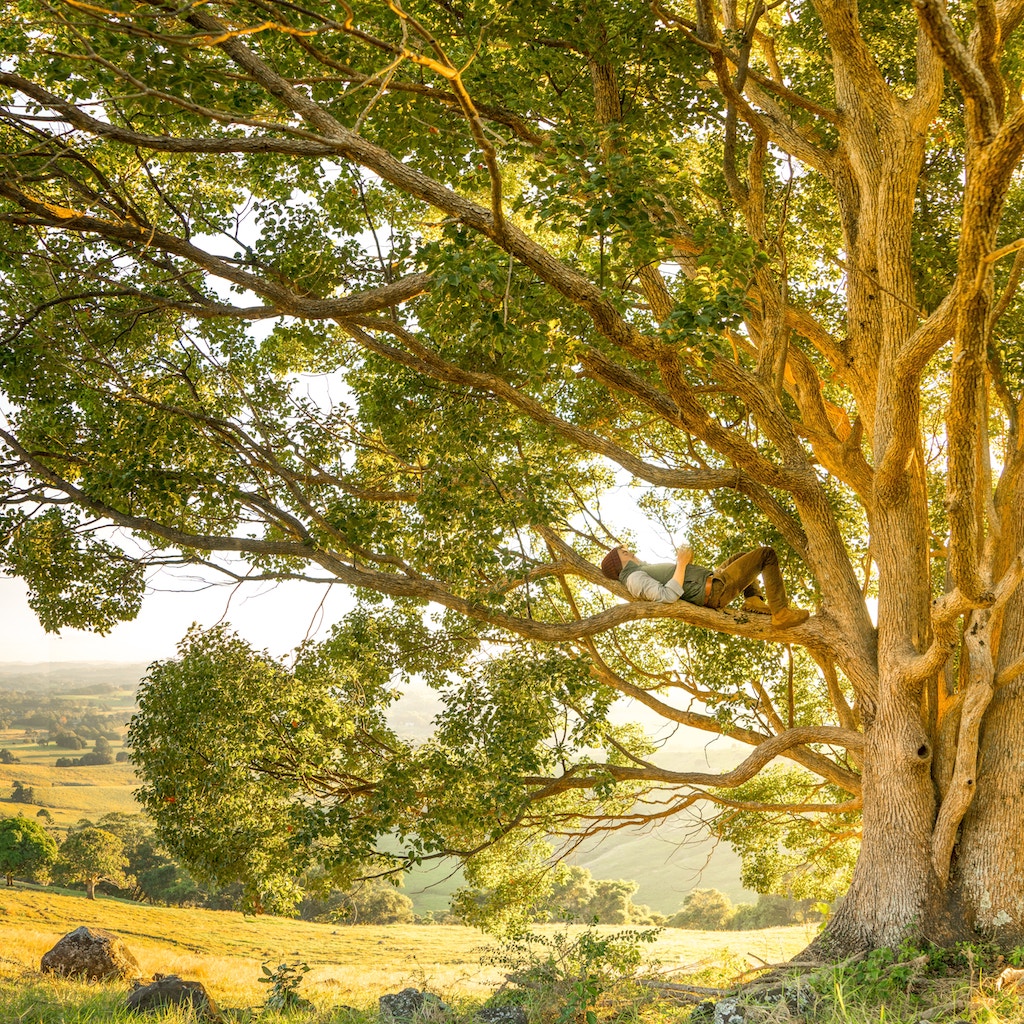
(564, 976)
(285, 980)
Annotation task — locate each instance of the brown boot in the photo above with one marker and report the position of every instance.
(785, 618)
(756, 604)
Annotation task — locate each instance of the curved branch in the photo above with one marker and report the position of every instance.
(588, 776)
(287, 301)
(813, 761)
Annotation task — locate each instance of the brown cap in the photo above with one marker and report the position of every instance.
(612, 564)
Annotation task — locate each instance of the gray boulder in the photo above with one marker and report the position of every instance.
(411, 1002)
(93, 954)
(508, 1014)
(169, 990)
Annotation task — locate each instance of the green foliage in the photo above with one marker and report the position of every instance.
(284, 981)
(569, 976)
(92, 855)
(207, 720)
(704, 909)
(806, 856)
(897, 978)
(73, 580)
(26, 848)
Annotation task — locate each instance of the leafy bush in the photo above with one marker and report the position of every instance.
(704, 909)
(567, 976)
(285, 980)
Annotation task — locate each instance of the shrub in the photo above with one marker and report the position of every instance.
(704, 909)
(571, 975)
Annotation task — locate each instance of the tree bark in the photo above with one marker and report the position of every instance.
(894, 889)
(990, 863)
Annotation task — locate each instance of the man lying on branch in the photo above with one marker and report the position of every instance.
(714, 588)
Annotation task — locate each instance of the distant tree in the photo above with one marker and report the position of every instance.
(704, 909)
(102, 753)
(68, 740)
(122, 756)
(6, 757)
(45, 815)
(94, 855)
(369, 901)
(22, 794)
(375, 901)
(612, 902)
(65, 762)
(770, 911)
(25, 848)
(572, 893)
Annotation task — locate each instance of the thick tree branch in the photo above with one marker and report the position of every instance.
(588, 776)
(814, 634)
(972, 81)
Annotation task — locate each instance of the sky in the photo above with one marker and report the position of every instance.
(276, 618)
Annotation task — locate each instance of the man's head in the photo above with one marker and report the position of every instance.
(613, 562)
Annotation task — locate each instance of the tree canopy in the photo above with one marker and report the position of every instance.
(92, 855)
(407, 298)
(25, 848)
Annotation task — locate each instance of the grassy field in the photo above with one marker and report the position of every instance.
(351, 965)
(69, 794)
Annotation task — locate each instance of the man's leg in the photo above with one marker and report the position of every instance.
(754, 599)
(752, 589)
(740, 573)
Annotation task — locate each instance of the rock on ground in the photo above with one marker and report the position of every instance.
(169, 990)
(508, 1014)
(91, 953)
(411, 1002)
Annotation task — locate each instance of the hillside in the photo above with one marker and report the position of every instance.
(353, 964)
(71, 677)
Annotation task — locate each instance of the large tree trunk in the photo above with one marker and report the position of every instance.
(990, 856)
(894, 888)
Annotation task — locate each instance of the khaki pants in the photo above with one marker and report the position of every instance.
(740, 573)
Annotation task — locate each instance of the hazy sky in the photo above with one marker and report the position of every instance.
(276, 618)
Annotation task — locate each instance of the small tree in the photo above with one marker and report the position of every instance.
(612, 902)
(6, 757)
(22, 794)
(375, 901)
(26, 848)
(101, 754)
(94, 855)
(704, 909)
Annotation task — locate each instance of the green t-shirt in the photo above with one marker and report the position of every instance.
(694, 579)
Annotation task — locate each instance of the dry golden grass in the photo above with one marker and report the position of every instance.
(351, 964)
(70, 793)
